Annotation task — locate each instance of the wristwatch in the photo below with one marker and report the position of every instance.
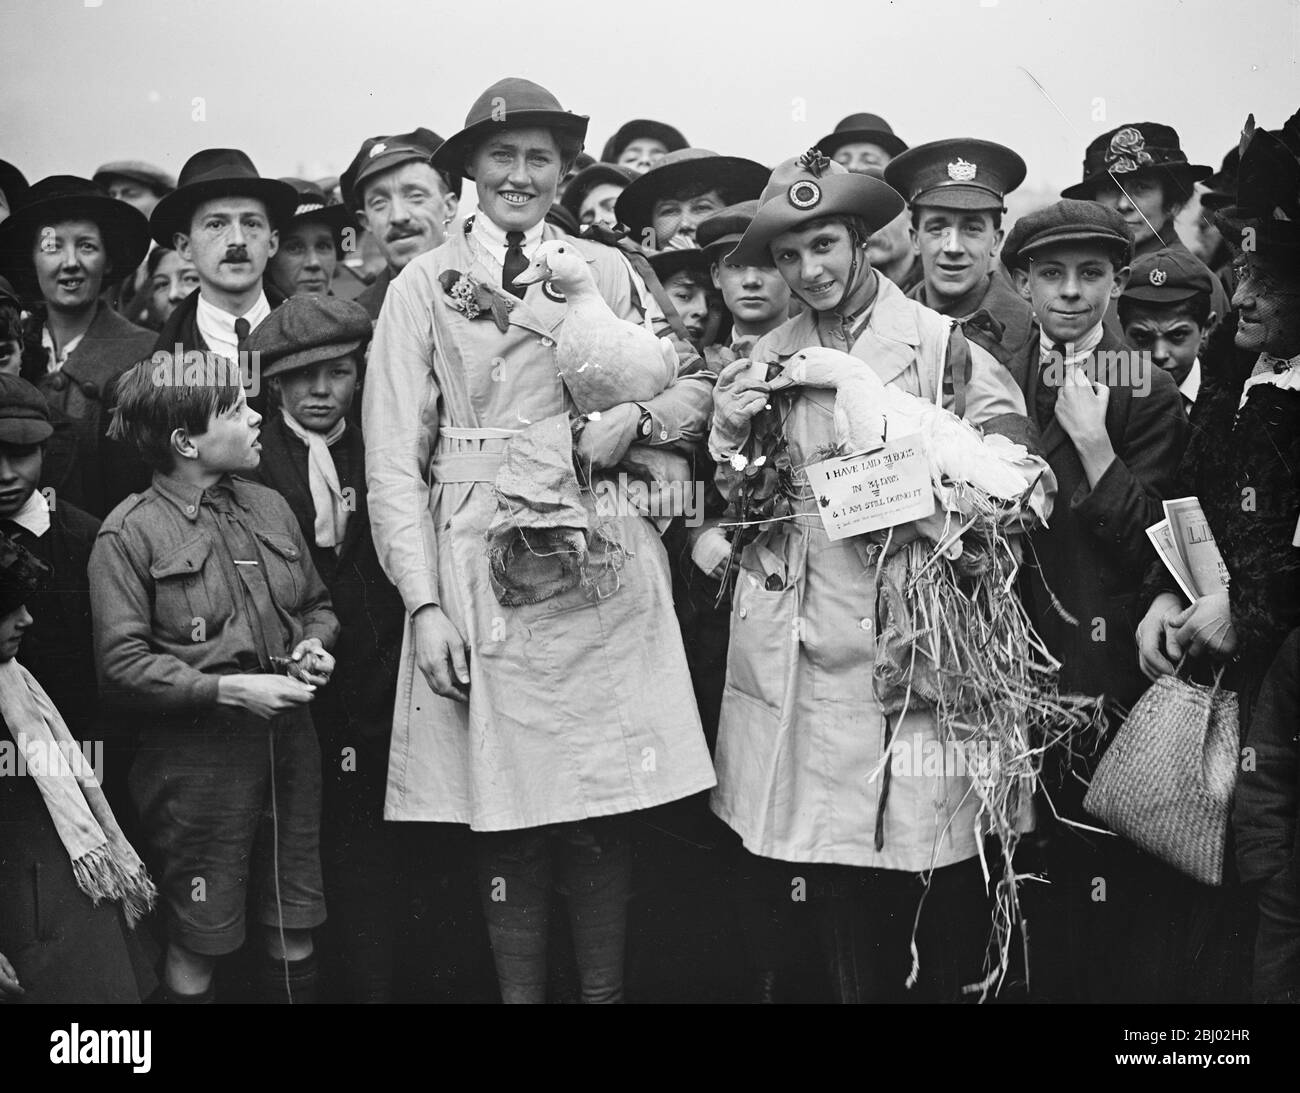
(645, 426)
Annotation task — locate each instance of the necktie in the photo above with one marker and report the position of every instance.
(1049, 385)
(241, 331)
(514, 265)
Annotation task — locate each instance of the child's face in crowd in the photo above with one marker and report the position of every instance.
(406, 210)
(1070, 288)
(756, 296)
(598, 205)
(691, 301)
(815, 262)
(11, 357)
(173, 279)
(70, 263)
(1268, 303)
(20, 473)
(861, 155)
(318, 396)
(13, 625)
(1141, 203)
(642, 154)
(230, 242)
(1171, 336)
(957, 248)
(230, 443)
(517, 173)
(305, 263)
(676, 218)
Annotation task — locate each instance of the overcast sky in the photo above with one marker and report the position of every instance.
(299, 84)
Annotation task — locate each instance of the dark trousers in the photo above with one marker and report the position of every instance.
(591, 860)
(869, 919)
(1277, 945)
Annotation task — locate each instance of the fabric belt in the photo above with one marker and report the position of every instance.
(468, 455)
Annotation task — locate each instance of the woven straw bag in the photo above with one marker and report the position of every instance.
(1166, 781)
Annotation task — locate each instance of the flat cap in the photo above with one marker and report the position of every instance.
(1068, 221)
(136, 170)
(956, 174)
(305, 330)
(725, 227)
(24, 413)
(1167, 276)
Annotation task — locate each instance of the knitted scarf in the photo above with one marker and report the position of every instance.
(323, 479)
(104, 864)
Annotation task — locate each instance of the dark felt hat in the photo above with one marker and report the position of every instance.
(63, 197)
(214, 173)
(737, 179)
(589, 178)
(1167, 276)
(1144, 146)
(719, 233)
(380, 154)
(862, 129)
(1266, 210)
(13, 184)
(807, 188)
(1068, 221)
(640, 129)
(314, 204)
(1221, 187)
(668, 262)
(24, 413)
(956, 174)
(512, 103)
(305, 330)
(158, 180)
(7, 292)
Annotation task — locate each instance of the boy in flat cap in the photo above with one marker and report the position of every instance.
(211, 625)
(59, 248)
(312, 351)
(956, 190)
(1165, 310)
(1140, 170)
(1112, 429)
(404, 202)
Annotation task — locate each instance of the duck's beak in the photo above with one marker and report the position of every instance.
(538, 271)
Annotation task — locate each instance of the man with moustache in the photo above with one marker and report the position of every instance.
(60, 248)
(403, 202)
(955, 191)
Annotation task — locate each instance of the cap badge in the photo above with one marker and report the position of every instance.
(961, 171)
(1128, 151)
(1158, 277)
(378, 150)
(804, 194)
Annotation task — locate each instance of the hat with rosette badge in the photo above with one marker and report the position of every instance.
(1142, 147)
(810, 187)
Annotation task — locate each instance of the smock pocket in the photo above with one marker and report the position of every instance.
(283, 562)
(182, 589)
(764, 639)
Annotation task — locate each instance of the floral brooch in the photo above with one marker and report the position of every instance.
(473, 298)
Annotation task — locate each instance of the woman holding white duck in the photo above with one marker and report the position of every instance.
(539, 724)
(802, 739)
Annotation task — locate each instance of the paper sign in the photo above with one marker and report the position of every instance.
(1162, 538)
(1196, 545)
(879, 489)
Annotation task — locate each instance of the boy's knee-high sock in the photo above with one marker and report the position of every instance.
(301, 987)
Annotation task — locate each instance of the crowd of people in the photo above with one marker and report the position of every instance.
(304, 535)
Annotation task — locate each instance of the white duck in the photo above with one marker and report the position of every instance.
(866, 409)
(603, 360)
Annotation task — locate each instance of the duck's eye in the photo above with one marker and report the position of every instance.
(559, 250)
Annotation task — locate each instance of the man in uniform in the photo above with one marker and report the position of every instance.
(956, 190)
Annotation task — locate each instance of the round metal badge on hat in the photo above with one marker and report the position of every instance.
(378, 150)
(961, 171)
(804, 194)
(1158, 277)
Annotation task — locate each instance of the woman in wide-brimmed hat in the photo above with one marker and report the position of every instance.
(801, 729)
(528, 707)
(311, 242)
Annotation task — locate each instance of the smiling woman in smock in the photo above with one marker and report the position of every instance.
(538, 724)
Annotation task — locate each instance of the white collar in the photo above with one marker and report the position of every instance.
(492, 237)
(1288, 379)
(1076, 351)
(1191, 385)
(218, 326)
(58, 359)
(34, 515)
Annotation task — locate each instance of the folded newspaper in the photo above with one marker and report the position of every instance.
(1186, 545)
